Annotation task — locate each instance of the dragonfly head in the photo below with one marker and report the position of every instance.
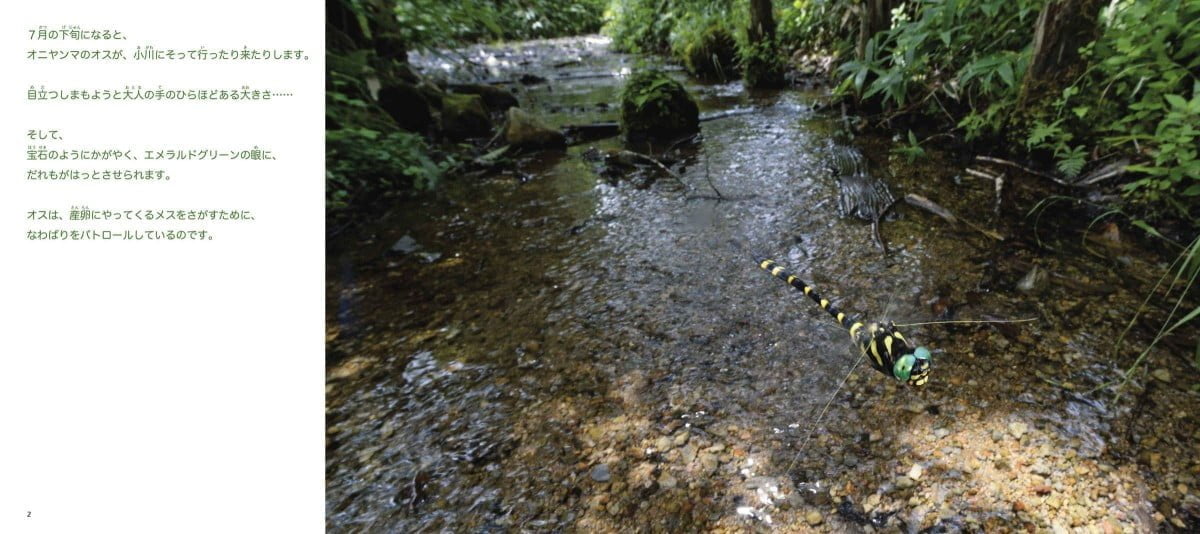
(913, 368)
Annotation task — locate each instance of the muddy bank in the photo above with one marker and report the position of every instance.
(546, 349)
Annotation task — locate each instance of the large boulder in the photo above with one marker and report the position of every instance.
(464, 116)
(654, 106)
(526, 131)
(495, 98)
(407, 105)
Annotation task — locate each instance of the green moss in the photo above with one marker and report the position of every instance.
(655, 106)
(709, 51)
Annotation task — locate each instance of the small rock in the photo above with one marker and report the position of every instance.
(916, 472)
(813, 518)
(940, 433)
(663, 444)
(1040, 467)
(1033, 280)
(666, 481)
(405, 245)
(681, 439)
(689, 453)
(709, 462)
(429, 257)
(1162, 375)
(875, 436)
(997, 435)
(600, 473)
(1017, 429)
(904, 482)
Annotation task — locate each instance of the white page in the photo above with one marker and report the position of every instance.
(154, 385)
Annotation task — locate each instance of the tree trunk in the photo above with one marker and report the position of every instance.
(762, 21)
(1062, 28)
(876, 16)
(762, 64)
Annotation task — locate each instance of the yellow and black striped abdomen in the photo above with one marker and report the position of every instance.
(791, 279)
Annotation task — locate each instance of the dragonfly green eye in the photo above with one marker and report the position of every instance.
(921, 353)
(903, 367)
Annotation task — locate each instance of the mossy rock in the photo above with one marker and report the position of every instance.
(527, 131)
(464, 116)
(407, 106)
(654, 106)
(495, 98)
(713, 56)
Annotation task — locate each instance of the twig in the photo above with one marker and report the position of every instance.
(980, 174)
(1115, 168)
(728, 113)
(1023, 168)
(997, 179)
(708, 178)
(999, 190)
(932, 207)
(659, 164)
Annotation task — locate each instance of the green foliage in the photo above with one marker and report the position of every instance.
(962, 62)
(1146, 92)
(703, 39)
(436, 23)
(763, 65)
(640, 26)
(965, 52)
(361, 164)
(662, 26)
(826, 26)
(912, 151)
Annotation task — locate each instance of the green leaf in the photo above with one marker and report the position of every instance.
(1006, 74)
(1147, 228)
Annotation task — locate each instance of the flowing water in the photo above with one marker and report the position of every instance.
(547, 349)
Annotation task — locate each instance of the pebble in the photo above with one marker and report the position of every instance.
(663, 444)
(1040, 467)
(681, 439)
(666, 481)
(875, 436)
(689, 453)
(814, 518)
(1162, 375)
(1017, 429)
(940, 433)
(904, 482)
(600, 473)
(916, 472)
(708, 461)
